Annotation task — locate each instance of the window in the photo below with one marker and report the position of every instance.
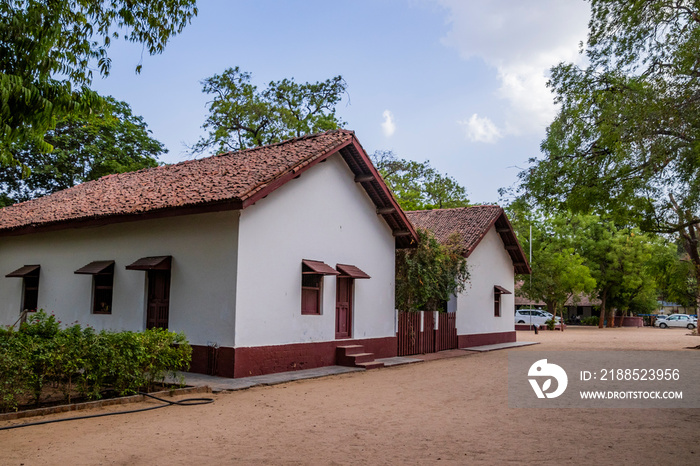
(30, 284)
(102, 285)
(311, 292)
(31, 293)
(312, 273)
(497, 292)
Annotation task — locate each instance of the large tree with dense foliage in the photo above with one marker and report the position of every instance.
(618, 258)
(673, 273)
(558, 270)
(50, 49)
(429, 274)
(241, 116)
(418, 186)
(86, 146)
(626, 141)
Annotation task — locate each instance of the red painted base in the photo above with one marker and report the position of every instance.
(481, 339)
(212, 361)
(260, 360)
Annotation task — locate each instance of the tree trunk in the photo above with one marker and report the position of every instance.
(603, 296)
(552, 309)
(611, 318)
(622, 317)
(691, 243)
(697, 288)
(561, 315)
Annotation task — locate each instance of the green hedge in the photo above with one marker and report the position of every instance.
(78, 360)
(592, 320)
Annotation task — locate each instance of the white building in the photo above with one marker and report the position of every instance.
(485, 310)
(267, 259)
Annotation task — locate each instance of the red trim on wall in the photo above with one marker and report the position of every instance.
(212, 361)
(481, 339)
(260, 360)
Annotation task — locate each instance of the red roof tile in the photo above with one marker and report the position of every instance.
(234, 180)
(472, 224)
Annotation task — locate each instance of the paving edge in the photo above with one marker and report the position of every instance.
(99, 403)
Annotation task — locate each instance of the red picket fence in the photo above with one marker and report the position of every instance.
(413, 340)
(446, 334)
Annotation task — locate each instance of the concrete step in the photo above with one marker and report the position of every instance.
(352, 360)
(347, 350)
(370, 365)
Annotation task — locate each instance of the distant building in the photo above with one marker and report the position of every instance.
(485, 310)
(582, 306)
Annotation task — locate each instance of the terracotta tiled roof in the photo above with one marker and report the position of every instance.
(472, 224)
(232, 180)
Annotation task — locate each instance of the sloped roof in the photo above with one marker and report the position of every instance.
(472, 224)
(232, 180)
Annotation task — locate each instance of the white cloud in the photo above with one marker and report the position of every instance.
(388, 125)
(522, 40)
(480, 129)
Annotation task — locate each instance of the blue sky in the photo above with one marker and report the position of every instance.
(458, 82)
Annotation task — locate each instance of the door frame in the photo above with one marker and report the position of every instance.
(152, 321)
(350, 291)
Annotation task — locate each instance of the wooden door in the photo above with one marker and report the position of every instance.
(343, 307)
(158, 298)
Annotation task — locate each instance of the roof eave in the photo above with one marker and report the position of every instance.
(85, 222)
(520, 262)
(387, 207)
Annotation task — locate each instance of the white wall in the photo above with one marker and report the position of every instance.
(203, 276)
(489, 265)
(322, 215)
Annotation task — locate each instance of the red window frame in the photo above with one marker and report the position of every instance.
(311, 292)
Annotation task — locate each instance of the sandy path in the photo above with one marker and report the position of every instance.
(449, 411)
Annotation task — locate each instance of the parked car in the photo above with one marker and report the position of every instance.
(533, 317)
(677, 320)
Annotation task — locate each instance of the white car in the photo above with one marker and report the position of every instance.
(533, 317)
(678, 320)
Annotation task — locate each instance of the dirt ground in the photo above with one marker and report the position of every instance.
(447, 411)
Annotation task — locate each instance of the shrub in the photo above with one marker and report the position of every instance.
(551, 324)
(593, 320)
(81, 360)
(14, 372)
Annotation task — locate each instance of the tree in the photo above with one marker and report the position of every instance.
(418, 186)
(626, 141)
(86, 147)
(429, 274)
(618, 258)
(673, 273)
(558, 271)
(48, 51)
(240, 116)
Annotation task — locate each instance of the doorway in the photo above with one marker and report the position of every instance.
(158, 301)
(343, 307)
